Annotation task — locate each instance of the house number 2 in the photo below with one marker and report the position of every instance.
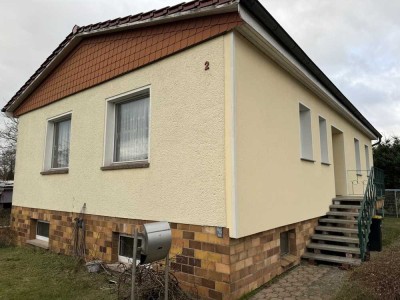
(207, 65)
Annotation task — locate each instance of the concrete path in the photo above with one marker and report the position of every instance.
(305, 282)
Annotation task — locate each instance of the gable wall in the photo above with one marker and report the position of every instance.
(185, 180)
(98, 59)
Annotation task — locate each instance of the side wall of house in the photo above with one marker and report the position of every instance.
(185, 182)
(274, 186)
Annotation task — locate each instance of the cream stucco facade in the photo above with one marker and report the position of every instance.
(224, 146)
(274, 186)
(185, 180)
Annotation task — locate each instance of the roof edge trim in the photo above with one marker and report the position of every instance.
(258, 13)
(78, 36)
(271, 47)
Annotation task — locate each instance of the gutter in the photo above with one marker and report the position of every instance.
(378, 142)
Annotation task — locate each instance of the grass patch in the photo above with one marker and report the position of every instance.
(30, 273)
(379, 277)
(390, 230)
(353, 291)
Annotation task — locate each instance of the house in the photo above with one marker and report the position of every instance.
(206, 115)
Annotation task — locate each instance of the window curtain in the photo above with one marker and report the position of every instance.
(132, 130)
(61, 144)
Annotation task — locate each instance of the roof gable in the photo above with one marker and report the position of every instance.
(41, 88)
(100, 58)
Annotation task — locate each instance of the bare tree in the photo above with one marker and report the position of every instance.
(8, 145)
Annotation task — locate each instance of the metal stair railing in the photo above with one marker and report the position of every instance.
(375, 188)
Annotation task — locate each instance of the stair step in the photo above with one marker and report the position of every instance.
(345, 206)
(332, 258)
(349, 199)
(336, 229)
(328, 247)
(342, 213)
(338, 221)
(335, 238)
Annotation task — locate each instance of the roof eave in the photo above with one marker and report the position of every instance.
(38, 80)
(256, 10)
(77, 37)
(272, 27)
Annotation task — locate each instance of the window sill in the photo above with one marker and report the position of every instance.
(287, 260)
(130, 165)
(55, 171)
(38, 243)
(307, 159)
(325, 163)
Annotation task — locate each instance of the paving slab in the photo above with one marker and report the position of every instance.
(313, 282)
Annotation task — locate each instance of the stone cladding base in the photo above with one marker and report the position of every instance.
(217, 268)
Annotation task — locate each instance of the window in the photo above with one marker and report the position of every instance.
(357, 152)
(42, 231)
(127, 128)
(131, 130)
(305, 133)
(60, 156)
(288, 243)
(125, 248)
(367, 165)
(58, 142)
(284, 243)
(323, 138)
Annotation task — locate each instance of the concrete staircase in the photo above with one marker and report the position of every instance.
(336, 237)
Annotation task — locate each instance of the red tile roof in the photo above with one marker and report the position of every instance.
(103, 57)
(194, 7)
(115, 23)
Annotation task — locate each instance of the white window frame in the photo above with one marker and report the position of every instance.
(367, 162)
(109, 132)
(323, 139)
(40, 237)
(48, 155)
(121, 258)
(357, 156)
(306, 141)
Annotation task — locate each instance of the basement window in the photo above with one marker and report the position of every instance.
(125, 248)
(284, 243)
(305, 133)
(288, 242)
(42, 231)
(288, 248)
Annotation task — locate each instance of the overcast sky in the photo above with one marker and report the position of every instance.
(356, 43)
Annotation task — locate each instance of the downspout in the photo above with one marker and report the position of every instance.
(378, 142)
